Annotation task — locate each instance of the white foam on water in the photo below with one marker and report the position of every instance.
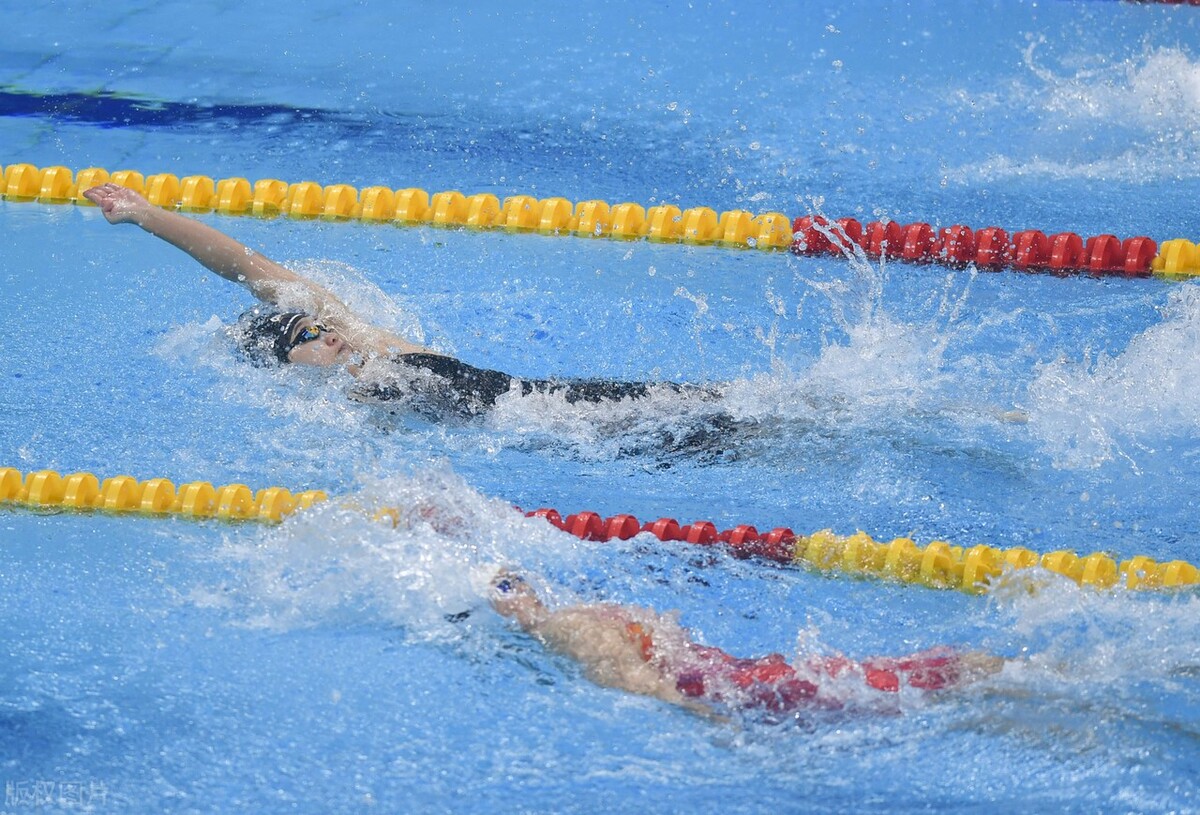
(1141, 115)
(1074, 641)
(659, 421)
(308, 397)
(1159, 90)
(872, 368)
(405, 551)
(875, 367)
(1091, 411)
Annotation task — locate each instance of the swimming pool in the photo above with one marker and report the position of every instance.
(165, 665)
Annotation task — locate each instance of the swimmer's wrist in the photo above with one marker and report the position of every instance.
(156, 220)
(146, 217)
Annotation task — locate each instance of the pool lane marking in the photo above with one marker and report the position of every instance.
(936, 565)
(989, 248)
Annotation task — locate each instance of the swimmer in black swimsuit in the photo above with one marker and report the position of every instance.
(441, 386)
(306, 324)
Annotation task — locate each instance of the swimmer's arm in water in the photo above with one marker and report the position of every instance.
(598, 642)
(593, 637)
(267, 280)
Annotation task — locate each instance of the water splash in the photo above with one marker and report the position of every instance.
(1139, 117)
(1098, 410)
(409, 551)
(871, 369)
(310, 399)
(1097, 647)
(662, 422)
(1137, 90)
(365, 298)
(872, 360)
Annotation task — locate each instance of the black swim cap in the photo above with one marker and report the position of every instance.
(265, 337)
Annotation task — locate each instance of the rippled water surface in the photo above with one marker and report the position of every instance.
(327, 665)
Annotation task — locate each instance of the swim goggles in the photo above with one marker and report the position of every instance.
(310, 332)
(508, 583)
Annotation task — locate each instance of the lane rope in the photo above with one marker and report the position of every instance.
(993, 248)
(936, 565)
(989, 248)
(308, 199)
(155, 496)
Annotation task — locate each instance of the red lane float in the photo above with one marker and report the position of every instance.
(990, 248)
(744, 541)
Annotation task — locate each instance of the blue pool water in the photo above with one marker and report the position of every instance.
(162, 665)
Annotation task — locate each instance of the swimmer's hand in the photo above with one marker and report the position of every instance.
(119, 204)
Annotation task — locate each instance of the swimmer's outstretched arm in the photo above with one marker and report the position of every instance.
(214, 250)
(267, 280)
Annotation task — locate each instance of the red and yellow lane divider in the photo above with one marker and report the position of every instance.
(990, 248)
(936, 565)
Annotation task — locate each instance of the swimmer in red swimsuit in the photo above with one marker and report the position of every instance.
(640, 651)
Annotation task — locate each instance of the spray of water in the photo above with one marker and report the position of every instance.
(1141, 115)
(1111, 408)
(1090, 668)
(1140, 89)
(416, 552)
(365, 298)
(873, 362)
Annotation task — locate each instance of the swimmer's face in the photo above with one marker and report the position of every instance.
(512, 596)
(326, 346)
